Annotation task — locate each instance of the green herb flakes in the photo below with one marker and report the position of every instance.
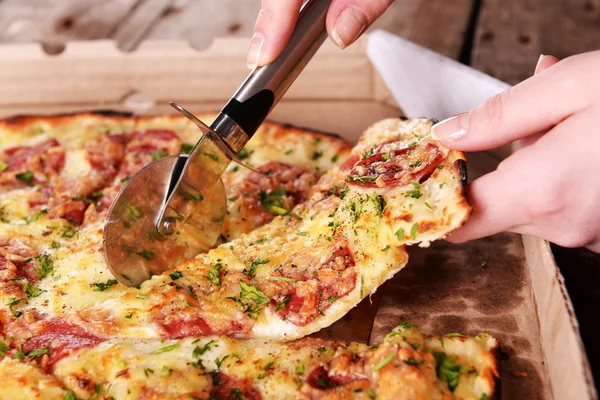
(384, 362)
(213, 274)
(165, 349)
(102, 286)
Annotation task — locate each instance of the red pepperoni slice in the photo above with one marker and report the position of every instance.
(60, 338)
(145, 146)
(396, 167)
(15, 157)
(229, 387)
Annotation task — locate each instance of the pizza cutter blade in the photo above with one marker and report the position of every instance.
(174, 208)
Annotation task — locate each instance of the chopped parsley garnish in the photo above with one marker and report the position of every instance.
(288, 152)
(454, 334)
(273, 201)
(362, 285)
(371, 393)
(32, 291)
(128, 316)
(175, 275)
(415, 345)
(447, 369)
(243, 154)
(68, 232)
(251, 272)
(199, 351)
(3, 166)
(400, 234)
(133, 212)
(141, 296)
(332, 299)
(3, 348)
(252, 293)
(148, 255)
(384, 362)
(334, 158)
(36, 216)
(102, 286)
(413, 230)
(379, 202)
(46, 265)
(157, 155)
(415, 193)
(186, 148)
(165, 349)
(280, 278)
(165, 371)
(483, 264)
(300, 369)
(265, 370)
(484, 397)
(316, 155)
(415, 164)
(69, 396)
(38, 352)
(412, 361)
(428, 206)
(19, 355)
(386, 156)
(13, 301)
(214, 273)
(283, 302)
(26, 177)
(218, 361)
(121, 364)
(362, 179)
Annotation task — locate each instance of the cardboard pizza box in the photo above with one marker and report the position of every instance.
(506, 285)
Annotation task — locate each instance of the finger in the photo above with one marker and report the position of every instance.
(536, 104)
(273, 28)
(348, 19)
(495, 209)
(544, 63)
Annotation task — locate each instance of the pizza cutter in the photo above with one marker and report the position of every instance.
(173, 209)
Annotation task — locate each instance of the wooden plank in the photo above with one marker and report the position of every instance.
(132, 30)
(511, 34)
(54, 23)
(198, 22)
(437, 24)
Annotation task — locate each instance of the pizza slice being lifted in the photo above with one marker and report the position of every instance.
(306, 269)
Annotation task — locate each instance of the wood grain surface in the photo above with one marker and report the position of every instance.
(503, 38)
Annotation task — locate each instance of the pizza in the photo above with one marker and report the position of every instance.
(406, 365)
(306, 240)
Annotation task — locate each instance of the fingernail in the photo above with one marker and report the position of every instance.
(256, 45)
(350, 24)
(539, 62)
(452, 128)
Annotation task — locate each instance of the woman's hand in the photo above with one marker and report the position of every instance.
(346, 21)
(550, 187)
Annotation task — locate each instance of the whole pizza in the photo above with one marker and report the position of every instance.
(318, 228)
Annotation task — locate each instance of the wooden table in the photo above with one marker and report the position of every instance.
(503, 38)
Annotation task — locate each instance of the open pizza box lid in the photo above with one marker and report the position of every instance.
(506, 285)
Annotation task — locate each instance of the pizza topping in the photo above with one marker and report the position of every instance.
(229, 387)
(320, 283)
(396, 167)
(57, 339)
(29, 165)
(278, 189)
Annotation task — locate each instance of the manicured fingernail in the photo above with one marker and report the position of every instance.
(256, 45)
(539, 62)
(350, 24)
(452, 128)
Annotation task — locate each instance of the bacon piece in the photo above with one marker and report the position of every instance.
(396, 167)
(280, 189)
(180, 328)
(143, 144)
(16, 157)
(61, 338)
(322, 283)
(229, 387)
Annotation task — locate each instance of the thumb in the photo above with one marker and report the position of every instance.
(532, 106)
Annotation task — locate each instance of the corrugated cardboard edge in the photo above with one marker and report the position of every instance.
(559, 329)
(92, 75)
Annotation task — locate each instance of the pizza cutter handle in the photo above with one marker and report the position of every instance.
(265, 85)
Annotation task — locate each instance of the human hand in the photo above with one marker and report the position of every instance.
(550, 187)
(346, 21)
